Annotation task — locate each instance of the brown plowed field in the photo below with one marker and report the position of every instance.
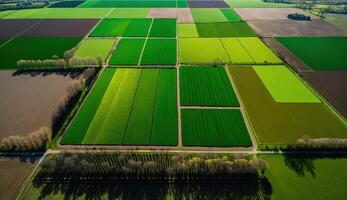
(61, 28)
(28, 101)
(11, 27)
(332, 85)
(269, 13)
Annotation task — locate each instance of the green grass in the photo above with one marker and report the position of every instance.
(34, 49)
(207, 30)
(140, 122)
(80, 125)
(94, 47)
(138, 28)
(57, 13)
(231, 15)
(236, 52)
(182, 4)
(224, 29)
(214, 128)
(187, 31)
(159, 52)
(163, 28)
(319, 53)
(206, 86)
(111, 28)
(208, 15)
(129, 13)
(201, 51)
(164, 128)
(129, 4)
(111, 119)
(127, 52)
(256, 4)
(304, 178)
(284, 86)
(260, 53)
(283, 123)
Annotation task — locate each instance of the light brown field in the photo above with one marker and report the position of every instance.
(269, 13)
(185, 16)
(28, 101)
(162, 13)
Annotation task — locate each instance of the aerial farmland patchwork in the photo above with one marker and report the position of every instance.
(173, 99)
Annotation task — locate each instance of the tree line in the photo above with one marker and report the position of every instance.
(307, 143)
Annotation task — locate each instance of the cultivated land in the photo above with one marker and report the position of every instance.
(94, 47)
(286, 122)
(214, 128)
(120, 94)
(127, 52)
(319, 53)
(249, 14)
(28, 100)
(256, 4)
(13, 171)
(159, 52)
(12, 27)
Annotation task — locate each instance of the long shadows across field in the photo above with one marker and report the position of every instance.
(97, 189)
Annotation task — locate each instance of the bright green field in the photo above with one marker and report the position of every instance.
(256, 4)
(319, 53)
(236, 52)
(305, 178)
(284, 86)
(231, 15)
(206, 86)
(187, 31)
(201, 51)
(208, 15)
(214, 128)
(124, 101)
(56, 13)
(77, 130)
(129, 13)
(129, 4)
(163, 28)
(45, 47)
(94, 47)
(127, 52)
(283, 123)
(159, 52)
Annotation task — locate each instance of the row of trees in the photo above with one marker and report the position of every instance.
(17, 5)
(149, 166)
(308, 143)
(297, 16)
(34, 141)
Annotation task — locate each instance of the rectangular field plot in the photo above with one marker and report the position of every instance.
(23, 48)
(225, 29)
(236, 52)
(129, 13)
(129, 4)
(95, 47)
(231, 15)
(202, 15)
(201, 51)
(163, 28)
(284, 86)
(187, 31)
(129, 109)
(206, 86)
(58, 13)
(319, 53)
(122, 27)
(127, 52)
(12, 27)
(65, 4)
(159, 52)
(207, 4)
(283, 123)
(214, 128)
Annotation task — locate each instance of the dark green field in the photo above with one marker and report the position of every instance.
(159, 52)
(128, 52)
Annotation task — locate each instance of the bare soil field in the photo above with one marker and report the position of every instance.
(13, 172)
(27, 101)
(252, 14)
(275, 28)
(285, 54)
(185, 16)
(332, 85)
(12, 27)
(162, 13)
(61, 28)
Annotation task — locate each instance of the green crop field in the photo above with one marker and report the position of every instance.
(231, 15)
(201, 51)
(163, 28)
(187, 31)
(206, 86)
(236, 52)
(284, 86)
(159, 52)
(127, 52)
(132, 99)
(224, 29)
(208, 15)
(319, 53)
(94, 47)
(129, 13)
(129, 4)
(57, 13)
(283, 122)
(45, 47)
(300, 177)
(221, 128)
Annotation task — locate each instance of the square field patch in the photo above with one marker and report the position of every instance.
(127, 52)
(214, 128)
(159, 52)
(163, 28)
(208, 15)
(95, 47)
(129, 13)
(187, 31)
(162, 13)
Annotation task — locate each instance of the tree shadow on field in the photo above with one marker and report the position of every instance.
(32, 157)
(73, 73)
(137, 189)
(303, 164)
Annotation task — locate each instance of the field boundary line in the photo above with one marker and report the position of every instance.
(248, 123)
(110, 54)
(144, 44)
(23, 31)
(211, 107)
